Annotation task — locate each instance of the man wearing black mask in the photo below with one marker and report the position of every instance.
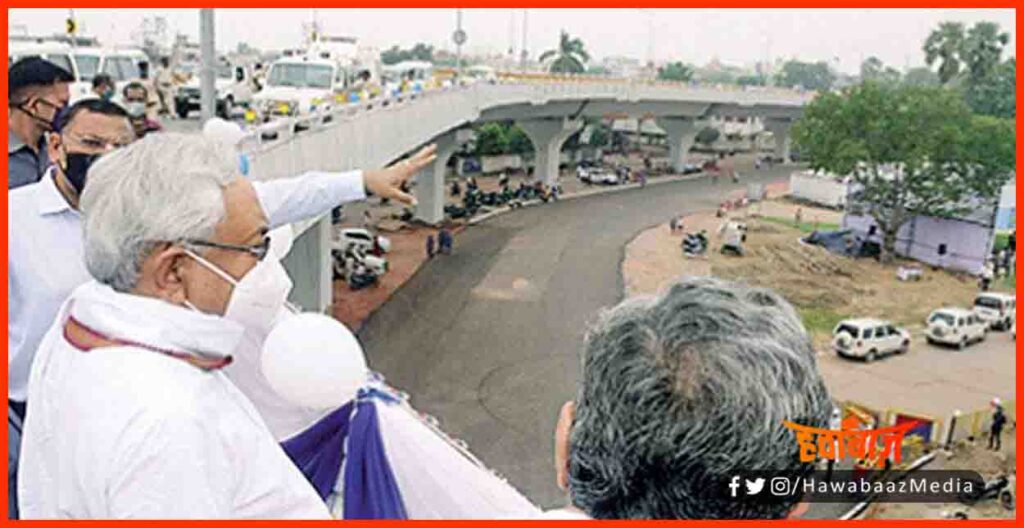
(37, 91)
(47, 237)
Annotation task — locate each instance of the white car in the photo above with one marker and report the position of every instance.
(597, 175)
(999, 310)
(869, 339)
(361, 239)
(955, 326)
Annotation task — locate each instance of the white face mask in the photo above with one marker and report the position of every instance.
(135, 108)
(259, 296)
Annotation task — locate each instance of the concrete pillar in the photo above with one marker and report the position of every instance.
(547, 136)
(780, 132)
(680, 133)
(430, 188)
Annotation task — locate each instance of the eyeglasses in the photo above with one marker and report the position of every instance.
(259, 250)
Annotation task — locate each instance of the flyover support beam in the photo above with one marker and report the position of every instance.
(681, 133)
(547, 136)
(780, 129)
(430, 188)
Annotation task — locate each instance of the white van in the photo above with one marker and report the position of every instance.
(955, 326)
(300, 85)
(999, 310)
(122, 65)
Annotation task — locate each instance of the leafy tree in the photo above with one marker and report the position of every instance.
(569, 56)
(751, 80)
(982, 50)
(811, 76)
(676, 71)
(944, 45)
(420, 51)
(997, 94)
(707, 135)
(920, 77)
(518, 141)
(491, 139)
(873, 69)
(909, 151)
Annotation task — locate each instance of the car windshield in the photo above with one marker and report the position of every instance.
(944, 317)
(87, 66)
(987, 302)
(849, 329)
(300, 75)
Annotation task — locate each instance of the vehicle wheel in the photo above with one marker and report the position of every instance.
(181, 110)
(871, 356)
(1006, 500)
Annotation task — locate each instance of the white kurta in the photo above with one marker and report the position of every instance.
(45, 259)
(126, 432)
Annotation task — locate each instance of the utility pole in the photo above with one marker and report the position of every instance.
(523, 54)
(208, 55)
(460, 38)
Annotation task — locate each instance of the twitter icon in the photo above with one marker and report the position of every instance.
(754, 486)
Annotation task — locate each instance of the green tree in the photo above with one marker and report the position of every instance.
(707, 135)
(491, 139)
(676, 71)
(945, 45)
(909, 151)
(518, 141)
(982, 50)
(920, 76)
(873, 69)
(420, 51)
(569, 57)
(810, 76)
(751, 80)
(996, 95)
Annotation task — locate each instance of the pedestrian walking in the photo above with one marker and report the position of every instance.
(444, 238)
(995, 430)
(673, 224)
(987, 274)
(430, 246)
(367, 219)
(798, 216)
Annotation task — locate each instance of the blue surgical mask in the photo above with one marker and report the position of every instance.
(243, 164)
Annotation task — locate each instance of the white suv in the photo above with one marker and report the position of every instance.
(869, 339)
(999, 310)
(955, 326)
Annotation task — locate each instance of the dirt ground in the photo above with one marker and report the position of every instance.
(824, 287)
(989, 464)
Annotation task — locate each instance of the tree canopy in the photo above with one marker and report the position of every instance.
(810, 76)
(676, 71)
(569, 57)
(909, 150)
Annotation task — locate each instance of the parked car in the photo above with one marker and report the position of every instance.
(999, 310)
(869, 339)
(362, 239)
(955, 326)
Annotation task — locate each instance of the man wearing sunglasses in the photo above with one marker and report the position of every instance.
(36, 92)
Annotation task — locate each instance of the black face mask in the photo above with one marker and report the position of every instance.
(76, 167)
(51, 125)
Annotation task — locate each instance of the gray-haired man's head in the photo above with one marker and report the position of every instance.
(680, 393)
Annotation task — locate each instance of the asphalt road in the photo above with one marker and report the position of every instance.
(488, 338)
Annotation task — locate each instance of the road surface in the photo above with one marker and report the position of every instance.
(488, 338)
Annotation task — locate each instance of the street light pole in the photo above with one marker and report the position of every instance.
(208, 54)
(459, 39)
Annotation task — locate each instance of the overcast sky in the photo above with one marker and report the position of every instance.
(844, 37)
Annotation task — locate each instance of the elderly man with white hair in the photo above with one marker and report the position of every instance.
(132, 415)
(682, 393)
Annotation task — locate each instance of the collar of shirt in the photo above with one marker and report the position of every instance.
(48, 196)
(14, 143)
(153, 322)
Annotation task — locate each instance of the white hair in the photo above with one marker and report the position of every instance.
(163, 188)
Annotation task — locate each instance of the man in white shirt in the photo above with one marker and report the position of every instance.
(682, 393)
(131, 413)
(45, 259)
